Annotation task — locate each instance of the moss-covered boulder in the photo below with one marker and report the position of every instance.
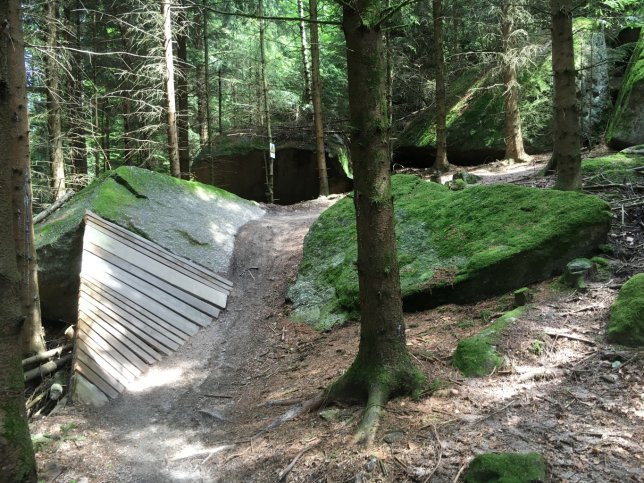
(626, 324)
(476, 356)
(506, 468)
(475, 118)
(453, 246)
(614, 168)
(626, 126)
(191, 219)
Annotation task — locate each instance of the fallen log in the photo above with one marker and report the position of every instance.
(47, 368)
(53, 207)
(43, 356)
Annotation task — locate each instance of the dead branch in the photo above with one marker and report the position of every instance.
(53, 207)
(47, 368)
(284, 473)
(295, 411)
(553, 333)
(440, 455)
(43, 356)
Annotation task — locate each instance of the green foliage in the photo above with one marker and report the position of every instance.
(476, 356)
(536, 347)
(443, 237)
(627, 314)
(506, 468)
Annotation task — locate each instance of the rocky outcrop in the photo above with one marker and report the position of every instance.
(626, 127)
(190, 219)
(453, 246)
(626, 324)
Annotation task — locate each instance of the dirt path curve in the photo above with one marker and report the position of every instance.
(189, 403)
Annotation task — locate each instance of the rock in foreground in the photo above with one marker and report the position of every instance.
(190, 219)
(627, 314)
(506, 468)
(453, 246)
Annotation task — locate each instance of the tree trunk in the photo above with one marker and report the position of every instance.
(270, 192)
(220, 102)
(206, 75)
(200, 80)
(17, 462)
(53, 101)
(566, 155)
(182, 96)
(78, 152)
(513, 138)
(173, 142)
(440, 163)
(306, 70)
(382, 368)
(317, 99)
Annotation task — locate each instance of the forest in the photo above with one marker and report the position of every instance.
(362, 240)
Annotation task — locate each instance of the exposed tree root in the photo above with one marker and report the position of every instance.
(371, 418)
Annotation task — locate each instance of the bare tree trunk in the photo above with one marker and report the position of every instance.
(270, 193)
(383, 366)
(200, 80)
(440, 163)
(17, 462)
(182, 96)
(306, 70)
(566, 155)
(77, 130)
(173, 142)
(513, 138)
(55, 134)
(206, 74)
(220, 102)
(317, 100)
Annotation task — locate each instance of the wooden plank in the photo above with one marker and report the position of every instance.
(136, 240)
(95, 379)
(104, 270)
(94, 345)
(151, 336)
(145, 301)
(81, 356)
(170, 289)
(125, 307)
(160, 270)
(113, 333)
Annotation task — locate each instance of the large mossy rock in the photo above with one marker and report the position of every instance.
(507, 468)
(190, 219)
(614, 168)
(476, 356)
(453, 246)
(626, 324)
(475, 119)
(626, 127)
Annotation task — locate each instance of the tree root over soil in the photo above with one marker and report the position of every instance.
(374, 383)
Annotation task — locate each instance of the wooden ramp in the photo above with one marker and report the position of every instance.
(137, 302)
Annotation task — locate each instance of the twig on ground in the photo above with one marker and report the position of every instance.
(440, 454)
(459, 473)
(284, 473)
(553, 333)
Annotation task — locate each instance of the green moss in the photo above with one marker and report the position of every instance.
(616, 168)
(444, 238)
(506, 468)
(626, 324)
(476, 356)
(623, 116)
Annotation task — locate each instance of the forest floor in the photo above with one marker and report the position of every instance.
(199, 414)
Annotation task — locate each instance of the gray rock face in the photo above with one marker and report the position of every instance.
(626, 127)
(190, 219)
(87, 393)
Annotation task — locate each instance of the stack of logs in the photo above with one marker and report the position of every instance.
(46, 376)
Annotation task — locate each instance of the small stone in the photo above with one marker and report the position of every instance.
(331, 414)
(393, 437)
(468, 178)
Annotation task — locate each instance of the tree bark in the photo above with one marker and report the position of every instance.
(513, 137)
(17, 462)
(318, 125)
(206, 75)
(52, 69)
(306, 70)
(173, 142)
(566, 155)
(77, 135)
(382, 367)
(200, 81)
(183, 124)
(440, 163)
(270, 192)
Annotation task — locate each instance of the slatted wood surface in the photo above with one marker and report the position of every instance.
(137, 302)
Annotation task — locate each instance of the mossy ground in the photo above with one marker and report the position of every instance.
(627, 314)
(506, 468)
(444, 238)
(615, 168)
(476, 356)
